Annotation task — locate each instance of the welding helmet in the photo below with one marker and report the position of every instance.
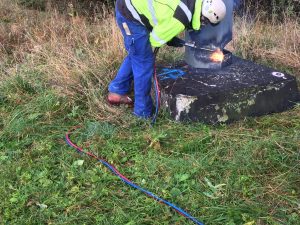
(213, 10)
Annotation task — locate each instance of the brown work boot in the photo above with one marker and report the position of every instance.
(116, 99)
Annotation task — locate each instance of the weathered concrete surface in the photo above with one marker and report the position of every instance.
(232, 93)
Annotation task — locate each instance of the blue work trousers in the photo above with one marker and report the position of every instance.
(138, 66)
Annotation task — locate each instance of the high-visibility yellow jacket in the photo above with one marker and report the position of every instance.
(165, 18)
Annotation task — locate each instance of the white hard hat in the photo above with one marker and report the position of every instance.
(214, 10)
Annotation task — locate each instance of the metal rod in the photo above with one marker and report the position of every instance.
(193, 45)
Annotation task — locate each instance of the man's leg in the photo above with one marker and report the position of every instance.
(122, 82)
(142, 65)
(140, 57)
(142, 61)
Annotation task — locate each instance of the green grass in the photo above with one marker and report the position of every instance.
(244, 173)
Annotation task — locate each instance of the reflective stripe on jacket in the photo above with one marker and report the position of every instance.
(164, 18)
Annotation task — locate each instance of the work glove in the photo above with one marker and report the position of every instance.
(176, 42)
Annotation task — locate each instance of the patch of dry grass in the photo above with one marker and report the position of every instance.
(78, 57)
(262, 41)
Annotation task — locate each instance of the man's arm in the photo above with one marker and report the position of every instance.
(165, 31)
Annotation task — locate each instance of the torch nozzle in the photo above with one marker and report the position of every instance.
(193, 45)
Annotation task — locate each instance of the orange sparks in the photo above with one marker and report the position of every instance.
(217, 56)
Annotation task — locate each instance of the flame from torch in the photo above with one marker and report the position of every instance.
(217, 56)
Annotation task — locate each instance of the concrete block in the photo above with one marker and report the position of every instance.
(228, 94)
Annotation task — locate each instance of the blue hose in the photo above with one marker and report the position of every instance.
(156, 103)
(157, 94)
(128, 182)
